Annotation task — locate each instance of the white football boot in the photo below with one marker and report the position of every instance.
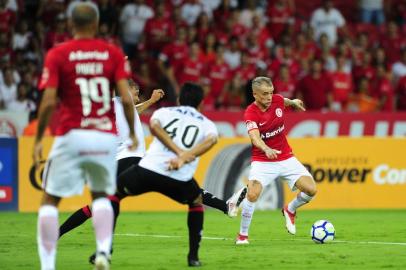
(242, 240)
(290, 220)
(102, 261)
(234, 202)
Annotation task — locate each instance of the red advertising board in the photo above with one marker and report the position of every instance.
(313, 124)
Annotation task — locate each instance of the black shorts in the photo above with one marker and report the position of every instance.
(137, 180)
(125, 163)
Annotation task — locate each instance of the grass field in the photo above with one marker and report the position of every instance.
(366, 239)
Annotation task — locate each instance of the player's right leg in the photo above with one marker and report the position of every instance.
(248, 208)
(61, 178)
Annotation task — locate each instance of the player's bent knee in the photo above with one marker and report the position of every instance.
(254, 190)
(252, 196)
(310, 190)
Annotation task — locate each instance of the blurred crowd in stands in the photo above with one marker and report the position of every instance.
(336, 55)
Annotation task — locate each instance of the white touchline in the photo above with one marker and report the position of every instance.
(295, 239)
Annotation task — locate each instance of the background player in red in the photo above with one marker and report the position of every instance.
(272, 156)
(81, 73)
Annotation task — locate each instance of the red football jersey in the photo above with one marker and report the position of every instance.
(192, 71)
(84, 72)
(176, 53)
(218, 75)
(271, 126)
(342, 86)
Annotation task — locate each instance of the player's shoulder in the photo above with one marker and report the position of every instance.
(278, 98)
(60, 48)
(105, 45)
(251, 112)
(251, 108)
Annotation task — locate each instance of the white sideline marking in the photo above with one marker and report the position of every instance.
(167, 236)
(296, 239)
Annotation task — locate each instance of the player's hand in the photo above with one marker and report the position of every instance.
(134, 141)
(37, 153)
(180, 160)
(272, 153)
(156, 95)
(298, 104)
(187, 156)
(175, 164)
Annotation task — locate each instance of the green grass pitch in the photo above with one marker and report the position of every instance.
(365, 239)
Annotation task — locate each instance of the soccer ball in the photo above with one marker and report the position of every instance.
(322, 232)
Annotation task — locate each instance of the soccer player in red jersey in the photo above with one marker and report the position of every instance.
(81, 73)
(272, 156)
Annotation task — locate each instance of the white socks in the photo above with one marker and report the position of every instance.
(301, 199)
(47, 236)
(246, 216)
(103, 224)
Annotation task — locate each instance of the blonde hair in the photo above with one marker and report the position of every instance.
(258, 81)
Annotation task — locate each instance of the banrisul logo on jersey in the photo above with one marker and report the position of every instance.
(352, 173)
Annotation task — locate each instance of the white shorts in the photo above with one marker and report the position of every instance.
(79, 157)
(289, 170)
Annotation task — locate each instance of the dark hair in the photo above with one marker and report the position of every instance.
(84, 14)
(132, 83)
(191, 94)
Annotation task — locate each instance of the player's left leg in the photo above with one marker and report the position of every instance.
(47, 235)
(101, 171)
(307, 187)
(297, 177)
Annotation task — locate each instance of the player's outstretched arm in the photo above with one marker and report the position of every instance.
(48, 104)
(157, 94)
(126, 100)
(259, 143)
(295, 103)
(162, 135)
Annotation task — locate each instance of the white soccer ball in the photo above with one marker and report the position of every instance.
(322, 231)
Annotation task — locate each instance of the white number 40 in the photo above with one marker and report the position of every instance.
(89, 90)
